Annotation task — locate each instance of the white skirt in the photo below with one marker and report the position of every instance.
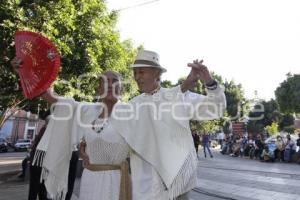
(100, 185)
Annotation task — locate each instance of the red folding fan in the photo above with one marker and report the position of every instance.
(40, 62)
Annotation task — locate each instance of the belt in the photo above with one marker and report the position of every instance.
(125, 183)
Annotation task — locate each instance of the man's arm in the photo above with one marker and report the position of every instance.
(47, 96)
(204, 107)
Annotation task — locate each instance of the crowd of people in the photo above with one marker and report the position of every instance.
(264, 149)
(277, 148)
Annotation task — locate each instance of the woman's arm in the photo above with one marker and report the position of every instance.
(49, 97)
(82, 154)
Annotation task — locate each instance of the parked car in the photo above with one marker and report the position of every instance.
(3, 145)
(22, 144)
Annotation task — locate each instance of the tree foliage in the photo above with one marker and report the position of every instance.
(288, 94)
(237, 105)
(287, 120)
(263, 114)
(166, 84)
(205, 126)
(272, 129)
(84, 32)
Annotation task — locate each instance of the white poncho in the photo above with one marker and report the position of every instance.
(157, 128)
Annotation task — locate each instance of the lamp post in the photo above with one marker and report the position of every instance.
(36, 122)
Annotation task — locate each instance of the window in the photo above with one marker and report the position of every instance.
(31, 123)
(30, 133)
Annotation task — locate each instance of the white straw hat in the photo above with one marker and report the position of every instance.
(147, 58)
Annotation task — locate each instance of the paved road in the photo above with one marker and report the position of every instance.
(10, 163)
(221, 177)
(9, 155)
(241, 178)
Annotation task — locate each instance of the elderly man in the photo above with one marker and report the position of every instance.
(156, 126)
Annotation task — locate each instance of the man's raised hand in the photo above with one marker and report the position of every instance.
(199, 72)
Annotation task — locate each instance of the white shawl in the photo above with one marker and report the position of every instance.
(63, 132)
(56, 142)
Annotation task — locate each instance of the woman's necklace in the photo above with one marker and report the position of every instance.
(99, 124)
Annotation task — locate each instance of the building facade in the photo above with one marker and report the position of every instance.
(22, 125)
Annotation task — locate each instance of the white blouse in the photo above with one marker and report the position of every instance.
(106, 147)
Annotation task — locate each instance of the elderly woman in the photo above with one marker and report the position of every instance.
(106, 149)
(105, 176)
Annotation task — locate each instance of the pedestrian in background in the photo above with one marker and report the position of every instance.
(205, 144)
(196, 139)
(36, 186)
(221, 138)
(279, 151)
(290, 149)
(298, 144)
(259, 146)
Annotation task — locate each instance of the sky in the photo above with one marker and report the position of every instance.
(255, 43)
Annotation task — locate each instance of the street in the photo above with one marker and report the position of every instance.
(226, 177)
(221, 177)
(10, 163)
(12, 155)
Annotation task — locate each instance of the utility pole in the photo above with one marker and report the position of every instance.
(17, 129)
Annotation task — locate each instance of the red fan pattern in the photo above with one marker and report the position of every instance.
(40, 62)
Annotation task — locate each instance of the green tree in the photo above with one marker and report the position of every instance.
(288, 94)
(205, 126)
(166, 84)
(271, 112)
(226, 126)
(272, 129)
(263, 114)
(287, 122)
(85, 34)
(289, 129)
(237, 105)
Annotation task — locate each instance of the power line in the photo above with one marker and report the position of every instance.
(137, 5)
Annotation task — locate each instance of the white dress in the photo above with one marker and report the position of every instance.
(70, 122)
(106, 147)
